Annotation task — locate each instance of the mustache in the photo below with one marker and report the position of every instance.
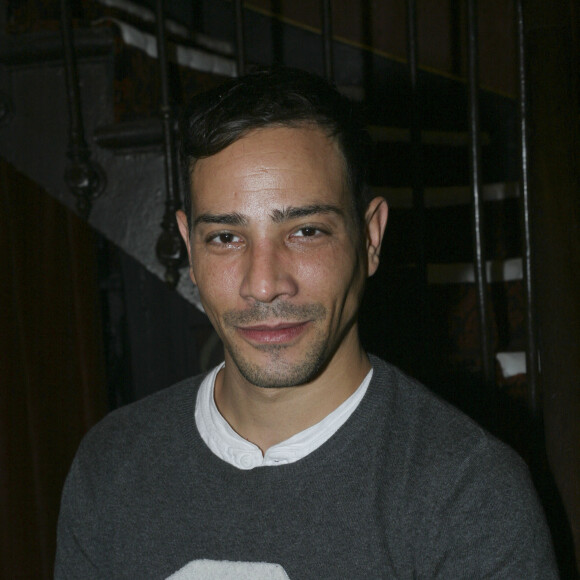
(261, 312)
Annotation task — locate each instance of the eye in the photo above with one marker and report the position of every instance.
(307, 232)
(224, 239)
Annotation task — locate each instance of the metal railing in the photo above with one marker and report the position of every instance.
(525, 210)
(86, 179)
(240, 44)
(326, 13)
(417, 169)
(170, 249)
(487, 362)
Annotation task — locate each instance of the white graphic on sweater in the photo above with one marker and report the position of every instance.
(224, 570)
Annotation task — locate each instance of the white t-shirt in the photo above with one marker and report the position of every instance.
(241, 453)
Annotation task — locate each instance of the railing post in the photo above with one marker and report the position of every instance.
(487, 362)
(531, 324)
(84, 177)
(170, 249)
(326, 13)
(416, 171)
(240, 47)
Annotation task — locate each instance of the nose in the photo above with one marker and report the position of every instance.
(267, 273)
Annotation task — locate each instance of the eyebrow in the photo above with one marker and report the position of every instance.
(290, 213)
(228, 219)
(278, 215)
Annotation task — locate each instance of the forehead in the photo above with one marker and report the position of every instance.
(271, 168)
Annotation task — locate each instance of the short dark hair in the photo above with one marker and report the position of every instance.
(278, 97)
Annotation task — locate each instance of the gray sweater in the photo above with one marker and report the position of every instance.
(408, 487)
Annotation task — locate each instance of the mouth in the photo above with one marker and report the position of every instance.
(282, 333)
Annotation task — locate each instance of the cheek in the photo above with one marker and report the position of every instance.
(311, 270)
(331, 274)
(217, 285)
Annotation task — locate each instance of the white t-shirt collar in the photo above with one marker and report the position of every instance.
(241, 453)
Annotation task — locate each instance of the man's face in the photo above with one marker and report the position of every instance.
(276, 253)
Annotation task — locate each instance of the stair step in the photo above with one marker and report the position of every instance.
(441, 165)
(131, 136)
(403, 135)
(148, 16)
(402, 197)
(196, 58)
(464, 273)
(44, 47)
(448, 233)
(149, 132)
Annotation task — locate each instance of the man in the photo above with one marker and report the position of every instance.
(300, 456)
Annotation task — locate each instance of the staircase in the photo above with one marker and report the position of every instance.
(119, 94)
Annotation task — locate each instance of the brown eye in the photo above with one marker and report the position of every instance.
(307, 232)
(226, 238)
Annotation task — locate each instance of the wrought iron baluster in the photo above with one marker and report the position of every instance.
(240, 46)
(475, 156)
(84, 177)
(531, 324)
(416, 169)
(326, 12)
(170, 249)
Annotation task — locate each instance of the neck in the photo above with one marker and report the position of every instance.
(267, 416)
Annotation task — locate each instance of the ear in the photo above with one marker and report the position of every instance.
(184, 231)
(376, 221)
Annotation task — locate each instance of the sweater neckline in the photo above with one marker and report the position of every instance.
(229, 446)
(332, 450)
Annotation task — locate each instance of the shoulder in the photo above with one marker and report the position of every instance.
(440, 452)
(131, 433)
(124, 466)
(419, 417)
(463, 493)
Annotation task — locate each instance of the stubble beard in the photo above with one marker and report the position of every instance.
(277, 371)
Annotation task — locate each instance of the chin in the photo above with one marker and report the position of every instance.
(276, 370)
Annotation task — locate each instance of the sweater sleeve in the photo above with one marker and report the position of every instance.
(487, 522)
(73, 558)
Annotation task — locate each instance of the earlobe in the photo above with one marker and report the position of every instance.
(184, 231)
(376, 221)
